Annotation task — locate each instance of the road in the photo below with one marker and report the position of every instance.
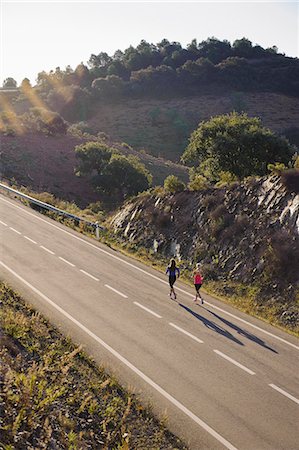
(224, 379)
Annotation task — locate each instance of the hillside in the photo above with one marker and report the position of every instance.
(162, 126)
(245, 236)
(46, 163)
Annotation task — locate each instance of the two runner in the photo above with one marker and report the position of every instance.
(173, 273)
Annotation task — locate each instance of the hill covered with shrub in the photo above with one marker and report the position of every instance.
(245, 236)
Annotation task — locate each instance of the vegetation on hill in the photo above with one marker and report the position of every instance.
(53, 396)
(164, 69)
(111, 173)
(235, 144)
(245, 235)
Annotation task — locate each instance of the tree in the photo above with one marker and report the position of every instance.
(237, 144)
(25, 85)
(110, 172)
(93, 157)
(124, 176)
(9, 83)
(173, 184)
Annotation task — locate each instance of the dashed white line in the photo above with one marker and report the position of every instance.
(47, 250)
(121, 358)
(148, 310)
(284, 393)
(186, 332)
(66, 261)
(29, 239)
(13, 229)
(3, 223)
(234, 362)
(148, 274)
(117, 292)
(89, 275)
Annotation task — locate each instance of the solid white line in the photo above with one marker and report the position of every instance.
(148, 273)
(234, 362)
(29, 239)
(114, 290)
(89, 275)
(47, 250)
(16, 231)
(3, 223)
(66, 261)
(148, 310)
(284, 393)
(148, 380)
(185, 332)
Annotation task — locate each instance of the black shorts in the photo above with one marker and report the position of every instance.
(197, 287)
(172, 280)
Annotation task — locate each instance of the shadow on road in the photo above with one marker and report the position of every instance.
(242, 332)
(211, 325)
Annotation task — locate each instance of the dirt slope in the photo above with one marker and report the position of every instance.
(162, 127)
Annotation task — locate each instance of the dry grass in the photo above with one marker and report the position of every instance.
(53, 396)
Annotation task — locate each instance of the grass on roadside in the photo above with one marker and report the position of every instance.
(54, 396)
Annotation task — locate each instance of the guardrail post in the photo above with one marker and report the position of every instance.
(97, 230)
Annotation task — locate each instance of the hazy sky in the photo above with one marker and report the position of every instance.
(39, 35)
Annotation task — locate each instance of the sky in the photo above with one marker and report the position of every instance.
(42, 35)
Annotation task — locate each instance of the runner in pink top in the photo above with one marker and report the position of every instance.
(198, 279)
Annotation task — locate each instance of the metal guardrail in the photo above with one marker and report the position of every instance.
(49, 207)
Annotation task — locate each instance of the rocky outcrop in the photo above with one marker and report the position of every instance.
(247, 232)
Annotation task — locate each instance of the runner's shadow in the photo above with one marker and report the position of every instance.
(242, 332)
(211, 325)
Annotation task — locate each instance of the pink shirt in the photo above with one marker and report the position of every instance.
(197, 278)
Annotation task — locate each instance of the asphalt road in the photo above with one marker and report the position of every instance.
(225, 379)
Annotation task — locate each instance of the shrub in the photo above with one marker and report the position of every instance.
(219, 212)
(45, 121)
(211, 200)
(226, 178)
(276, 168)
(281, 260)
(173, 184)
(198, 183)
(290, 179)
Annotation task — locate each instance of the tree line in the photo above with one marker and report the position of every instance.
(168, 69)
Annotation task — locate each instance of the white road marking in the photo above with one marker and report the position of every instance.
(148, 310)
(29, 239)
(47, 250)
(148, 274)
(284, 393)
(3, 223)
(13, 229)
(114, 290)
(89, 275)
(66, 261)
(186, 332)
(148, 380)
(234, 362)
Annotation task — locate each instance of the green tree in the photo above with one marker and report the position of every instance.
(124, 176)
(9, 83)
(112, 173)
(237, 144)
(92, 157)
(173, 184)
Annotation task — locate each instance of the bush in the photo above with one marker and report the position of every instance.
(212, 200)
(198, 183)
(281, 260)
(290, 179)
(45, 121)
(226, 178)
(173, 184)
(276, 168)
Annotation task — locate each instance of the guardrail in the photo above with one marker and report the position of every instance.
(49, 207)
